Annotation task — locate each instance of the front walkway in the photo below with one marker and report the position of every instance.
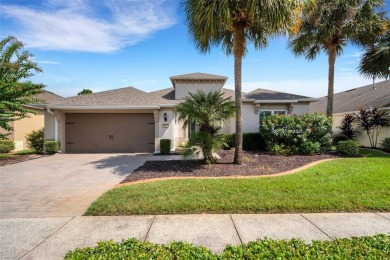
(63, 185)
(51, 238)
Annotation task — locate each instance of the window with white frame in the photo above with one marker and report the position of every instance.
(265, 113)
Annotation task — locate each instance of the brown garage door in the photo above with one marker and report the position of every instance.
(109, 133)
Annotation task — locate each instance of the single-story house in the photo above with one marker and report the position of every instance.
(26, 125)
(352, 100)
(131, 120)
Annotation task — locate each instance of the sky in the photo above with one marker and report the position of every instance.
(108, 44)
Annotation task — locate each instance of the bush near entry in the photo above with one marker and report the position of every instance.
(370, 247)
(6, 146)
(304, 134)
(35, 140)
(165, 146)
(51, 147)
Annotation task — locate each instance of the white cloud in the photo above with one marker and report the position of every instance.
(92, 26)
(312, 88)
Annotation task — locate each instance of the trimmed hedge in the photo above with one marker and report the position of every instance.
(165, 146)
(51, 147)
(385, 145)
(6, 146)
(349, 147)
(250, 141)
(369, 247)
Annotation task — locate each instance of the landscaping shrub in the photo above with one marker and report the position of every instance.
(337, 138)
(349, 147)
(6, 146)
(229, 141)
(250, 141)
(385, 145)
(135, 249)
(372, 121)
(35, 140)
(253, 142)
(346, 126)
(165, 146)
(305, 134)
(51, 147)
(369, 247)
(375, 247)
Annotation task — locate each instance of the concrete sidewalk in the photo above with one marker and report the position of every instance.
(51, 238)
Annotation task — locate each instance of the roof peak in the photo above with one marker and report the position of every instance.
(198, 75)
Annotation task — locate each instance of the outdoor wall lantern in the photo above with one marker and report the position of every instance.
(165, 117)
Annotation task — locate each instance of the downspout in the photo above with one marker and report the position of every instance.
(55, 124)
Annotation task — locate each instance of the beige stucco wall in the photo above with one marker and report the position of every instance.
(182, 90)
(165, 132)
(24, 126)
(300, 108)
(361, 137)
(49, 126)
(250, 119)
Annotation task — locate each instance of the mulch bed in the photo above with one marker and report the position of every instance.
(254, 163)
(18, 158)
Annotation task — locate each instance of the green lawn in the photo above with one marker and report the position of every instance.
(346, 185)
(23, 152)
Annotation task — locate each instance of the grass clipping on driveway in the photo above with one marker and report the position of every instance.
(346, 185)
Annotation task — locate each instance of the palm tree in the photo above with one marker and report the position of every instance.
(210, 111)
(329, 25)
(375, 62)
(233, 23)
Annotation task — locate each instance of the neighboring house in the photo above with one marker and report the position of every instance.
(352, 100)
(131, 120)
(24, 126)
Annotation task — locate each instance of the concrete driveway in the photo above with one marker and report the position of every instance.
(63, 185)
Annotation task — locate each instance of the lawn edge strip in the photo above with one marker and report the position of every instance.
(228, 177)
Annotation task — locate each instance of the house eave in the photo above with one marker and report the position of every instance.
(250, 100)
(308, 99)
(101, 107)
(167, 105)
(275, 101)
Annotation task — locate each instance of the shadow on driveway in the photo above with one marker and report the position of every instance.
(122, 164)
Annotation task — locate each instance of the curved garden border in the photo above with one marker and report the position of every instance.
(229, 177)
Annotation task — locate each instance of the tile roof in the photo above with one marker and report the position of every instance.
(198, 75)
(47, 96)
(169, 94)
(265, 94)
(128, 96)
(354, 99)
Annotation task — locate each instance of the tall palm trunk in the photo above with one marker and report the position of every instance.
(238, 50)
(331, 63)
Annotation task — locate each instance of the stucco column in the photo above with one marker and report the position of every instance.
(290, 108)
(257, 108)
(156, 130)
(60, 117)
